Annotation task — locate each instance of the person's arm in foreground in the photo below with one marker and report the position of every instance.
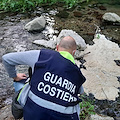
(11, 60)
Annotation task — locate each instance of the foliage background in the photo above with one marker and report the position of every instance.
(29, 5)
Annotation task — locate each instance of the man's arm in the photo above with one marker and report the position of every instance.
(81, 90)
(11, 60)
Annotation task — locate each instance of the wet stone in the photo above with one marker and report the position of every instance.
(118, 80)
(105, 23)
(77, 14)
(110, 112)
(82, 66)
(99, 16)
(105, 107)
(102, 8)
(117, 62)
(82, 60)
(62, 14)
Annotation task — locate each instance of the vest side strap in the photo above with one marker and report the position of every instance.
(50, 105)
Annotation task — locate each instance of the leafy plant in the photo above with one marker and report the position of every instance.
(17, 5)
(86, 108)
(29, 5)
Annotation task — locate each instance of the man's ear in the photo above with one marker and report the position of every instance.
(73, 52)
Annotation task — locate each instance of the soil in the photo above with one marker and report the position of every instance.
(83, 20)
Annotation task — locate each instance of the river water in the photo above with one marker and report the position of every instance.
(14, 38)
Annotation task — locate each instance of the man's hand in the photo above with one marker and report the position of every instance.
(20, 76)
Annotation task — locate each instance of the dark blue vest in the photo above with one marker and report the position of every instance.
(54, 87)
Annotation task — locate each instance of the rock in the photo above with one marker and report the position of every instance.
(100, 117)
(81, 45)
(77, 14)
(117, 118)
(101, 70)
(37, 24)
(48, 44)
(117, 62)
(87, 19)
(118, 79)
(112, 17)
(102, 8)
(110, 112)
(92, 34)
(62, 14)
(99, 16)
(6, 114)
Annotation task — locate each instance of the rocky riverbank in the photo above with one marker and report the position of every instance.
(82, 20)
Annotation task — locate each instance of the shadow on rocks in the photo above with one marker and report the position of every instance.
(105, 107)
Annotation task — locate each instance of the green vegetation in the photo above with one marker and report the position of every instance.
(17, 5)
(30, 5)
(86, 108)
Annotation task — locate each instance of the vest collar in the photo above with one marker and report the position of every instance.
(67, 55)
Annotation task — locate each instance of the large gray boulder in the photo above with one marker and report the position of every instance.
(36, 25)
(112, 17)
(81, 45)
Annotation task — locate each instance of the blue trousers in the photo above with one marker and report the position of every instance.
(18, 85)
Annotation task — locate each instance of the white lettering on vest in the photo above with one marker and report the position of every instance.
(66, 96)
(47, 76)
(58, 93)
(46, 89)
(57, 83)
(53, 80)
(40, 85)
(52, 92)
(65, 83)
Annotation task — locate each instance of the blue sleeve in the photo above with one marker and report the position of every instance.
(11, 60)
